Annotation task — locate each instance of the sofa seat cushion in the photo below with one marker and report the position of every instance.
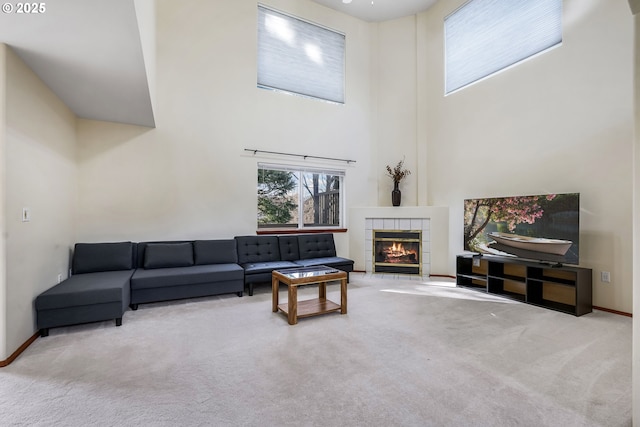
(335, 261)
(164, 277)
(86, 289)
(267, 267)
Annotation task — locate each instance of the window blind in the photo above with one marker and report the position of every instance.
(486, 36)
(299, 57)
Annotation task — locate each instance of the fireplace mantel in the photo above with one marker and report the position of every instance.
(438, 232)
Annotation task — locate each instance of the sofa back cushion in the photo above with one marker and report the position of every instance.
(288, 246)
(96, 257)
(257, 249)
(168, 255)
(316, 245)
(215, 252)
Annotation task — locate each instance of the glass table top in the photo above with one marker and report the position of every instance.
(301, 272)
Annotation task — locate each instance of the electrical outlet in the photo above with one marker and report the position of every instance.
(59, 277)
(476, 261)
(605, 277)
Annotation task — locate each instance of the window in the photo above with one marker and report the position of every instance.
(298, 57)
(290, 197)
(485, 36)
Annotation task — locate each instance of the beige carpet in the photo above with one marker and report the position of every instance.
(407, 354)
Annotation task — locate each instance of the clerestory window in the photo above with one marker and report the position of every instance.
(299, 57)
(483, 37)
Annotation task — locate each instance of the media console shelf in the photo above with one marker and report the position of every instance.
(566, 289)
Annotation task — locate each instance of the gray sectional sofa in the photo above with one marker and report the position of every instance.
(260, 255)
(107, 278)
(97, 290)
(187, 269)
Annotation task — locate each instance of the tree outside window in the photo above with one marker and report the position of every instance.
(299, 198)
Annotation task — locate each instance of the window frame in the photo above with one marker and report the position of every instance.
(301, 227)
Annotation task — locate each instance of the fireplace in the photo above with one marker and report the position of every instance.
(397, 251)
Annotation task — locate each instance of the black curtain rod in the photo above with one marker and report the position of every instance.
(298, 155)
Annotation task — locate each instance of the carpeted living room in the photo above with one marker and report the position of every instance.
(479, 224)
(408, 353)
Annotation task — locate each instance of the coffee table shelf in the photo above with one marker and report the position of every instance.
(311, 307)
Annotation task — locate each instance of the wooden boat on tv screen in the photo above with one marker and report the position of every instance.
(538, 244)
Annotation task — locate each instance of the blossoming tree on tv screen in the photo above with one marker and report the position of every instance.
(478, 213)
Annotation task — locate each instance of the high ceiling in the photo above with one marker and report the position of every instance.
(378, 10)
(90, 53)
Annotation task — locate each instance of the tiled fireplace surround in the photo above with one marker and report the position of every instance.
(404, 224)
(432, 221)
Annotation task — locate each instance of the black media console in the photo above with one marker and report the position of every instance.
(562, 288)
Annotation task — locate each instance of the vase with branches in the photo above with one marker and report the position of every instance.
(397, 174)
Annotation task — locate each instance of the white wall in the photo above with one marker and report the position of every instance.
(190, 177)
(395, 123)
(560, 122)
(39, 173)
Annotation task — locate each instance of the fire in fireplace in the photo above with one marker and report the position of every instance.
(397, 251)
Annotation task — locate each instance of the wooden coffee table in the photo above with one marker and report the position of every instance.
(294, 277)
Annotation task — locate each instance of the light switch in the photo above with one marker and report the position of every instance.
(26, 214)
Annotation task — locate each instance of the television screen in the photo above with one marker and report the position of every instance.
(542, 228)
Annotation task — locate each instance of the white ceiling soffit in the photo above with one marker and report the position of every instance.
(89, 53)
(378, 10)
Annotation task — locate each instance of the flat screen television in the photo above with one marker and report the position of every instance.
(540, 228)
